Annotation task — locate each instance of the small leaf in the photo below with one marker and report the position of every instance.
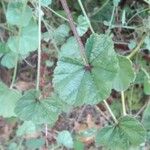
(147, 86)
(8, 99)
(18, 14)
(26, 42)
(116, 2)
(127, 133)
(82, 25)
(78, 84)
(9, 60)
(3, 48)
(125, 74)
(146, 117)
(35, 143)
(29, 108)
(65, 138)
(46, 2)
(132, 44)
(28, 127)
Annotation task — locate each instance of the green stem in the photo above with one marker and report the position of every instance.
(110, 111)
(121, 26)
(57, 14)
(137, 48)
(112, 16)
(137, 14)
(15, 71)
(123, 103)
(146, 73)
(85, 15)
(39, 47)
(99, 9)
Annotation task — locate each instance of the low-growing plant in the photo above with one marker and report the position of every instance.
(87, 70)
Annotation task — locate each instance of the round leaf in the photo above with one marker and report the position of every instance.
(125, 74)
(129, 132)
(74, 82)
(26, 42)
(65, 139)
(39, 111)
(18, 14)
(8, 99)
(9, 60)
(46, 2)
(82, 25)
(146, 117)
(28, 127)
(147, 86)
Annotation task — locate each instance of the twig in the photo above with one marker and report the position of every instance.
(73, 28)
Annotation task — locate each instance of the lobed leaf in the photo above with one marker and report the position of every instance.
(8, 99)
(18, 14)
(77, 85)
(125, 74)
(29, 108)
(129, 132)
(26, 42)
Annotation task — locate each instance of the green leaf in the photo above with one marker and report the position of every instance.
(147, 86)
(9, 60)
(8, 99)
(18, 14)
(116, 2)
(29, 108)
(125, 74)
(59, 34)
(146, 117)
(46, 2)
(82, 25)
(147, 42)
(3, 48)
(78, 145)
(35, 143)
(129, 132)
(77, 85)
(26, 42)
(28, 127)
(65, 138)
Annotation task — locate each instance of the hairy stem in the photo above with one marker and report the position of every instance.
(123, 103)
(137, 48)
(73, 28)
(85, 15)
(39, 46)
(110, 111)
